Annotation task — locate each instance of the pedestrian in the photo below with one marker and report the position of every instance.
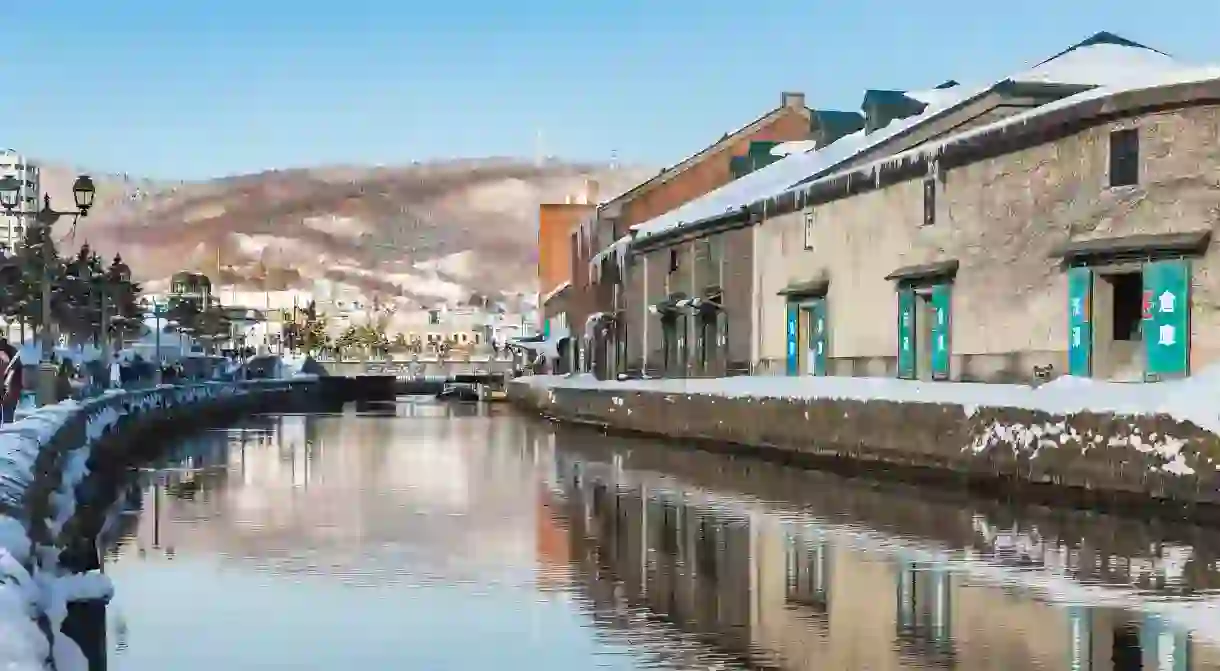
(116, 372)
(14, 377)
(63, 380)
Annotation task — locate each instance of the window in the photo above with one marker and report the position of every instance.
(673, 260)
(929, 201)
(1125, 157)
(808, 229)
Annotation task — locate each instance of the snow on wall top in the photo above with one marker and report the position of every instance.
(1187, 400)
(1102, 60)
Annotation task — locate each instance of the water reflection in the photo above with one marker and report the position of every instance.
(809, 582)
(435, 536)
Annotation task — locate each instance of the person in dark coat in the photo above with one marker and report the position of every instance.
(13, 381)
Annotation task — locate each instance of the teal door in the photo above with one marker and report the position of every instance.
(1080, 322)
(1167, 319)
(1164, 648)
(906, 333)
(818, 341)
(793, 361)
(942, 307)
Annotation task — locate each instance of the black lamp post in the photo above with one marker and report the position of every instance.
(83, 192)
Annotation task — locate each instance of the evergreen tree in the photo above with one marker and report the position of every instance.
(124, 295)
(79, 305)
(30, 261)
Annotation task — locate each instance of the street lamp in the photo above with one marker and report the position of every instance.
(83, 192)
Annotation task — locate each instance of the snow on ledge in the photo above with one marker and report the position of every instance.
(1189, 400)
(551, 294)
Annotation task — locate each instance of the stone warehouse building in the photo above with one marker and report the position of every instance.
(1056, 221)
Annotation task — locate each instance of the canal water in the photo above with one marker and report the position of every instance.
(420, 535)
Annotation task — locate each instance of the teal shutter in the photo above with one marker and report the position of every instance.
(942, 306)
(818, 342)
(793, 321)
(1080, 322)
(1167, 318)
(906, 333)
(1080, 641)
(546, 329)
(1164, 648)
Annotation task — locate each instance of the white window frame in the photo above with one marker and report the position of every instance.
(808, 232)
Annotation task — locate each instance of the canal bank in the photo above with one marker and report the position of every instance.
(48, 550)
(1071, 441)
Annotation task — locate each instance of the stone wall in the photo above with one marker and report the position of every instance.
(52, 459)
(1101, 458)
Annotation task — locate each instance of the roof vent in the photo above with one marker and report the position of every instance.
(792, 99)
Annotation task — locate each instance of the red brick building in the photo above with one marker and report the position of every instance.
(596, 286)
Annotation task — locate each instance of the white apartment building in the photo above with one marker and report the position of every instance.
(12, 227)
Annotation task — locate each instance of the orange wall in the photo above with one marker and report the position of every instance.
(710, 173)
(556, 221)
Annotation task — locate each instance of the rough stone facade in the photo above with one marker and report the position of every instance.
(1000, 219)
(1093, 455)
(719, 264)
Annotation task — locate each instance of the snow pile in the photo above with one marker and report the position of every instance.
(32, 583)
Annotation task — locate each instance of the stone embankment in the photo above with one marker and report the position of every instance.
(70, 452)
(1071, 441)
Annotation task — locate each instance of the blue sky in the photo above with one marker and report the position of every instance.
(198, 89)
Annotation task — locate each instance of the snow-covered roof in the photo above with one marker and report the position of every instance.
(779, 176)
(1102, 60)
(697, 157)
(932, 149)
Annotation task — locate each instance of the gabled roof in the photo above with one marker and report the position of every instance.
(695, 159)
(1103, 59)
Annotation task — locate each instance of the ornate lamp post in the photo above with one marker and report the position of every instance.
(83, 192)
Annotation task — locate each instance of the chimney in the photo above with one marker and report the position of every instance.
(792, 99)
(591, 189)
